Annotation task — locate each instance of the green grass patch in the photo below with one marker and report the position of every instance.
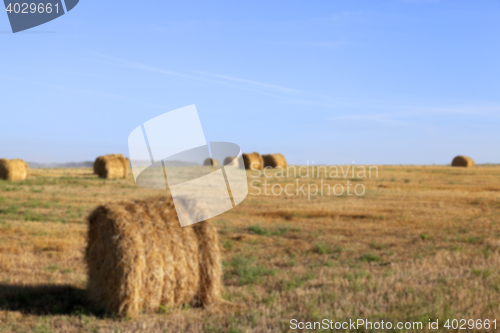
(474, 240)
(164, 309)
(325, 248)
(227, 244)
(29, 216)
(37, 190)
(258, 230)
(33, 204)
(280, 230)
(378, 246)
(357, 275)
(13, 209)
(247, 270)
(297, 281)
(481, 273)
(52, 268)
(369, 257)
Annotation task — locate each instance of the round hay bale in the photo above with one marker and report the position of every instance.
(139, 258)
(211, 161)
(112, 166)
(463, 161)
(274, 161)
(231, 160)
(253, 161)
(15, 169)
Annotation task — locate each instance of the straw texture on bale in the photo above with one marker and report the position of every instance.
(112, 166)
(231, 160)
(211, 161)
(15, 169)
(463, 161)
(253, 161)
(139, 257)
(274, 161)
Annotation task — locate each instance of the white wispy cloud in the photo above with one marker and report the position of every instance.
(419, 116)
(250, 82)
(286, 93)
(389, 114)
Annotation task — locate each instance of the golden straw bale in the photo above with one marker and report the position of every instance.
(112, 166)
(209, 254)
(126, 166)
(463, 161)
(253, 161)
(211, 161)
(139, 257)
(274, 161)
(15, 169)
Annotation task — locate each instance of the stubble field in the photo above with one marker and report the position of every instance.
(422, 243)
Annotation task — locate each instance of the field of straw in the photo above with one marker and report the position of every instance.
(422, 243)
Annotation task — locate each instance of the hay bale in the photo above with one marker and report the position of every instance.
(112, 166)
(139, 257)
(253, 161)
(211, 161)
(232, 160)
(274, 161)
(463, 161)
(15, 169)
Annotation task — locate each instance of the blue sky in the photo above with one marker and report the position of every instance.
(374, 82)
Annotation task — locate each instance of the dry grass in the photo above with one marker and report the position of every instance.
(423, 242)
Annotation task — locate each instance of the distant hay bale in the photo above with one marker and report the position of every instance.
(463, 161)
(211, 161)
(112, 166)
(15, 169)
(139, 258)
(231, 160)
(253, 161)
(274, 161)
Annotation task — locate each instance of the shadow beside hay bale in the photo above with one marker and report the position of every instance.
(112, 166)
(463, 161)
(47, 300)
(139, 258)
(15, 169)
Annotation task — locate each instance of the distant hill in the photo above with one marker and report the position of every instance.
(85, 164)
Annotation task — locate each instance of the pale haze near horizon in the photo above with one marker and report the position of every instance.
(337, 82)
